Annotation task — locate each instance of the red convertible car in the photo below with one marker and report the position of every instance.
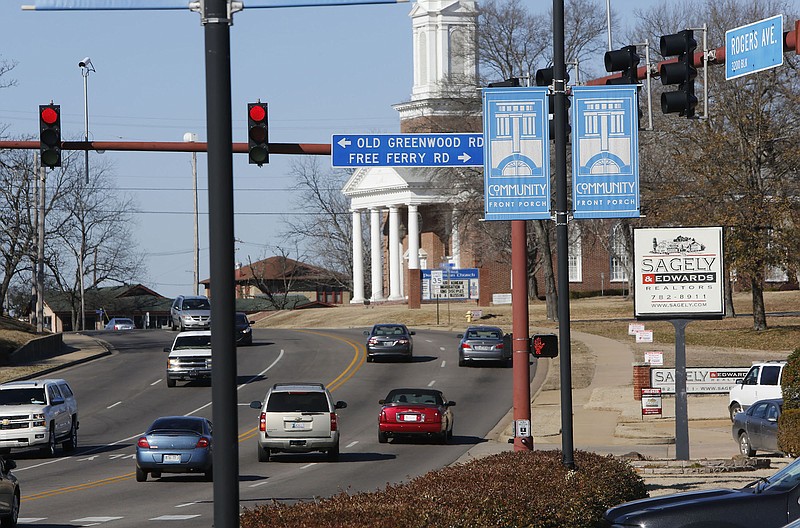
(415, 412)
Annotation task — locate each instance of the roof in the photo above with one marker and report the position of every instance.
(124, 299)
(280, 268)
(29, 383)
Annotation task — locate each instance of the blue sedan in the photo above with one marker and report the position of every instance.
(175, 444)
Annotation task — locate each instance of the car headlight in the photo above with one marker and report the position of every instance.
(174, 362)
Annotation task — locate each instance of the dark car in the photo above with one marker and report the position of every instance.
(415, 412)
(9, 494)
(244, 334)
(757, 428)
(765, 503)
(175, 444)
(390, 340)
(481, 344)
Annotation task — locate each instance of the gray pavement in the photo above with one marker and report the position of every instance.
(606, 418)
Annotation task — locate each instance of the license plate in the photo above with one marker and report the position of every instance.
(410, 417)
(172, 459)
(297, 425)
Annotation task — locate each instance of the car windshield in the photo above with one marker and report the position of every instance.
(415, 396)
(123, 321)
(783, 480)
(177, 424)
(187, 342)
(196, 304)
(241, 319)
(297, 402)
(23, 397)
(389, 330)
(484, 334)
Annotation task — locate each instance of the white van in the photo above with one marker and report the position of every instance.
(762, 382)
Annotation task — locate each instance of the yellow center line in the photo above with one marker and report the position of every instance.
(358, 360)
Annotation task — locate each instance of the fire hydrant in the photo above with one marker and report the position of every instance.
(468, 316)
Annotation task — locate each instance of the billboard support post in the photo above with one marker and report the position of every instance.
(681, 402)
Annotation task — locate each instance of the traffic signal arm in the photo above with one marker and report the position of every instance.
(313, 149)
(716, 56)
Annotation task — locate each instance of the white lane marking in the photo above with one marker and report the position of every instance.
(257, 484)
(351, 444)
(442, 349)
(157, 382)
(308, 465)
(30, 520)
(429, 340)
(174, 517)
(113, 405)
(187, 504)
(431, 383)
(444, 363)
(95, 519)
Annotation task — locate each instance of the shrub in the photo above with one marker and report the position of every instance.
(789, 420)
(510, 489)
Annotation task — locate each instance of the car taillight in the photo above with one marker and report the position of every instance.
(262, 422)
(499, 345)
(383, 416)
(334, 425)
(203, 442)
(373, 340)
(143, 443)
(402, 341)
(465, 345)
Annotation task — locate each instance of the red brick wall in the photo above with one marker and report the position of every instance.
(641, 380)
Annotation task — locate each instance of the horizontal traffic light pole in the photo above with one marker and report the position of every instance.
(311, 149)
(717, 56)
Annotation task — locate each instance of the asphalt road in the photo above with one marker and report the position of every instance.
(121, 394)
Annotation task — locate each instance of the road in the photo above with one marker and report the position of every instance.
(120, 395)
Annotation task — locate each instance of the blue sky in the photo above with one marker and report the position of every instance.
(323, 71)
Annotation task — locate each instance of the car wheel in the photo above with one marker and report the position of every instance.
(263, 454)
(744, 445)
(182, 328)
(72, 442)
(209, 475)
(5, 450)
(382, 437)
(141, 475)
(409, 358)
(462, 363)
(734, 408)
(10, 520)
(155, 474)
(173, 325)
(333, 453)
(369, 359)
(170, 382)
(49, 449)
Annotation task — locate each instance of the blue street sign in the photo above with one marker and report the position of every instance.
(605, 152)
(516, 169)
(407, 150)
(754, 47)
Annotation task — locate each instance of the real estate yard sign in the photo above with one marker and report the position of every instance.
(678, 272)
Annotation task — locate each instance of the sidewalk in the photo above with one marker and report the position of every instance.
(607, 419)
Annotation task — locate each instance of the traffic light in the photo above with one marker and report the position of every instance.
(544, 345)
(513, 82)
(50, 135)
(682, 73)
(257, 133)
(624, 60)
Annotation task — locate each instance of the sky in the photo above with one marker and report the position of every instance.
(322, 70)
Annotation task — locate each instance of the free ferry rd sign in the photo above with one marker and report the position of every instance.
(407, 150)
(678, 272)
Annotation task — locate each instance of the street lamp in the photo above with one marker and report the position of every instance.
(86, 66)
(191, 138)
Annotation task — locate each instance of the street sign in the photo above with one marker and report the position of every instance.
(605, 152)
(407, 150)
(516, 169)
(754, 47)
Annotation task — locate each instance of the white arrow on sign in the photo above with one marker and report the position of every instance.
(344, 142)
(464, 157)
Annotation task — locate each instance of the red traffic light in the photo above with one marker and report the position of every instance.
(50, 135)
(49, 115)
(257, 112)
(257, 134)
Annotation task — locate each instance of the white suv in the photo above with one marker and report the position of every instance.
(189, 357)
(38, 413)
(762, 382)
(298, 418)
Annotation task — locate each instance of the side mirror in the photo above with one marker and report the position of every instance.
(255, 404)
(167, 349)
(340, 405)
(740, 382)
(366, 332)
(460, 336)
(251, 322)
(382, 402)
(411, 332)
(10, 464)
(57, 401)
(451, 403)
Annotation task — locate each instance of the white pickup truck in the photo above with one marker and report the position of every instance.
(189, 357)
(762, 382)
(38, 413)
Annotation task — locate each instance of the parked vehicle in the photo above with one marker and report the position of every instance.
(192, 312)
(765, 503)
(298, 418)
(120, 323)
(244, 334)
(189, 357)
(415, 413)
(40, 413)
(175, 444)
(762, 382)
(482, 344)
(9, 494)
(390, 340)
(756, 429)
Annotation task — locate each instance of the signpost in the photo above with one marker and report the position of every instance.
(754, 47)
(407, 150)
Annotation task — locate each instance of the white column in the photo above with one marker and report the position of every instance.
(455, 243)
(394, 254)
(358, 261)
(376, 254)
(413, 238)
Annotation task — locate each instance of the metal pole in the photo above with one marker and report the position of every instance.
(681, 403)
(191, 137)
(519, 329)
(608, 22)
(562, 241)
(40, 255)
(216, 23)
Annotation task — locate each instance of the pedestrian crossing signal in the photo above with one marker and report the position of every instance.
(544, 345)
